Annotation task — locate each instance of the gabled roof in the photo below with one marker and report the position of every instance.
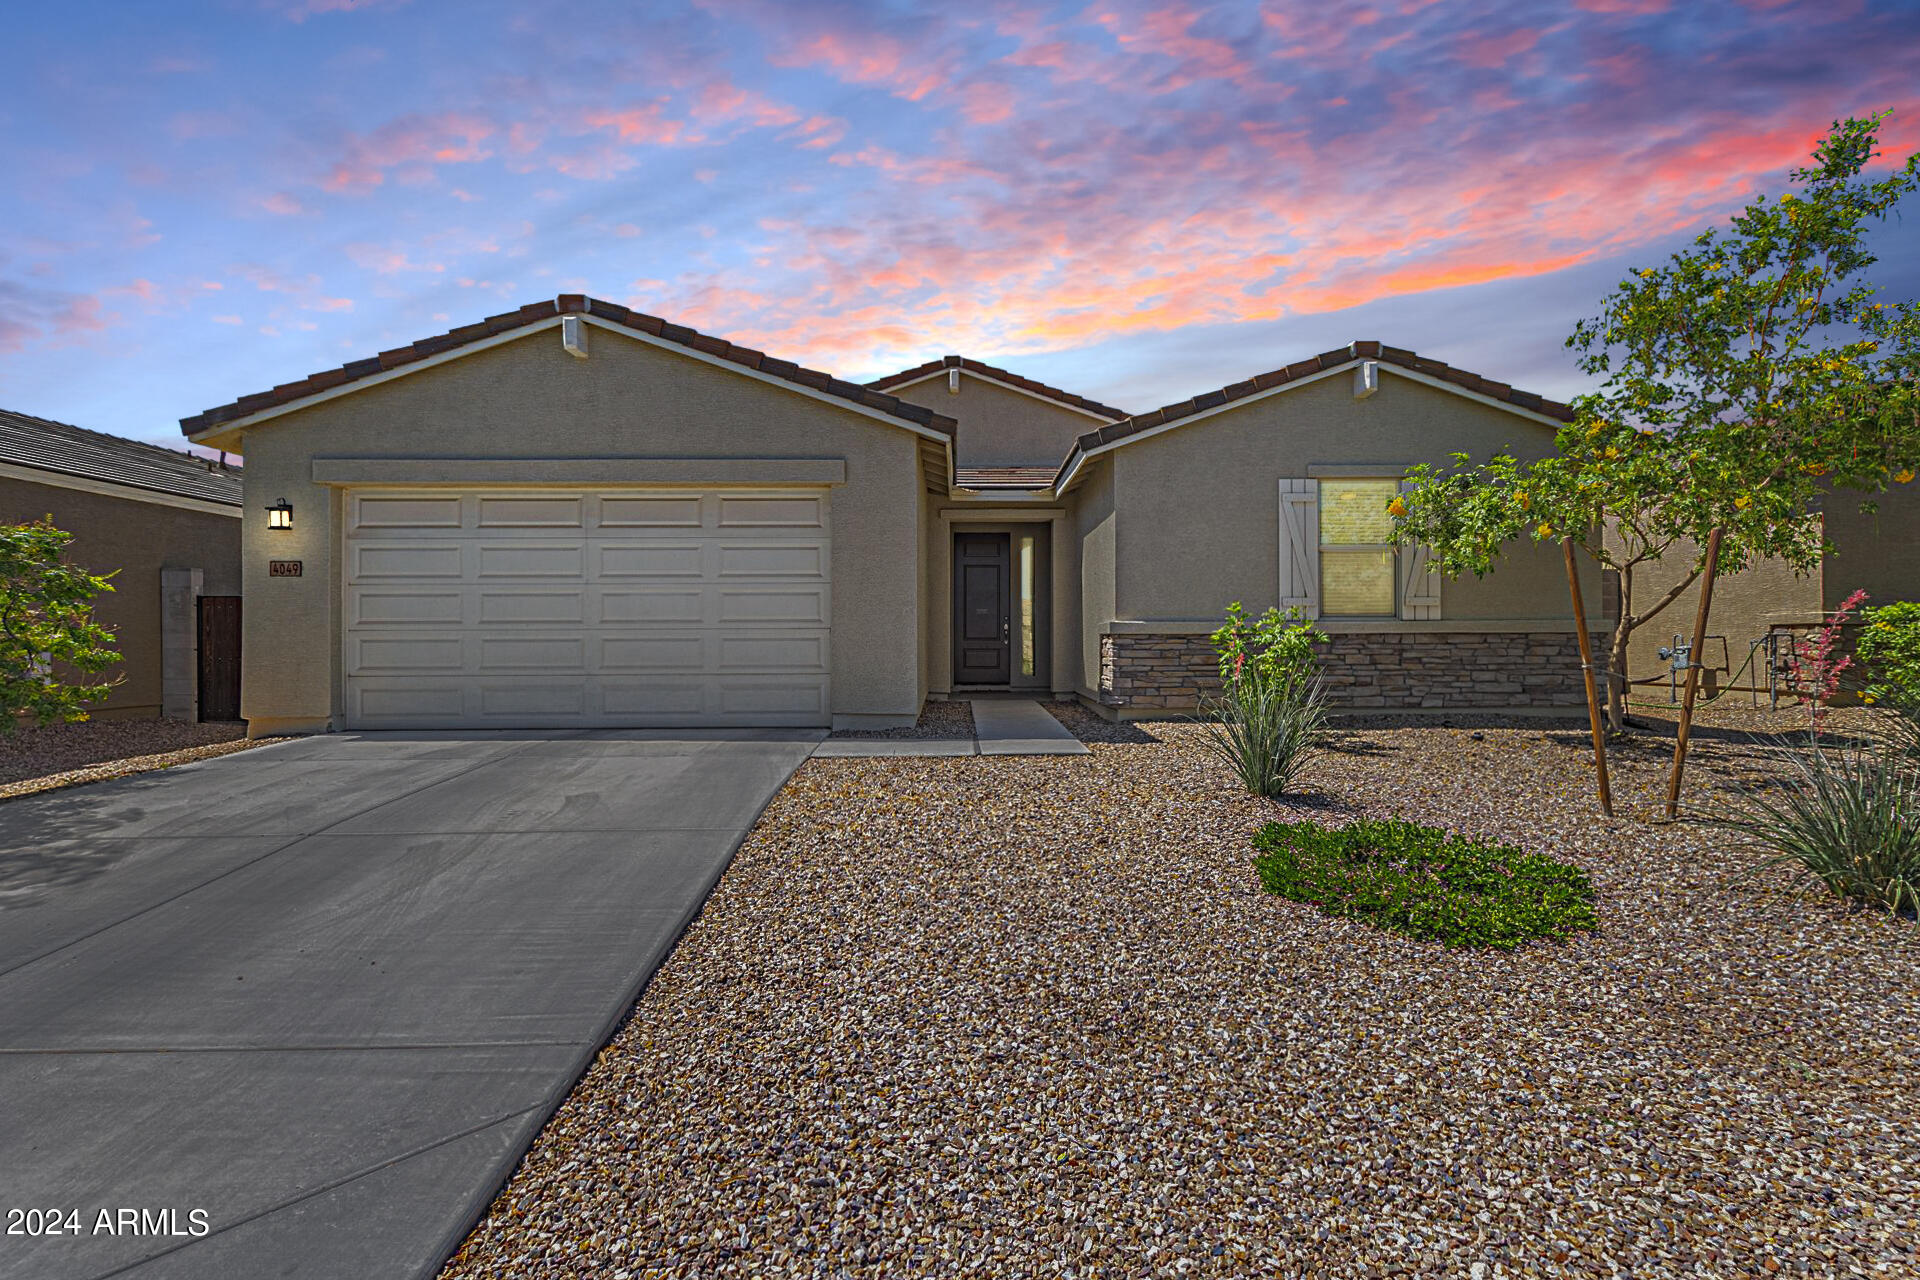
(918, 373)
(536, 313)
(45, 445)
(1321, 363)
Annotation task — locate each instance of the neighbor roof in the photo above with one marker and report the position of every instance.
(1320, 364)
(570, 304)
(45, 445)
(932, 367)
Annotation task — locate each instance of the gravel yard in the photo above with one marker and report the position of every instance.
(43, 758)
(1024, 1017)
(938, 719)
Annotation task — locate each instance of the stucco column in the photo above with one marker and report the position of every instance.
(180, 591)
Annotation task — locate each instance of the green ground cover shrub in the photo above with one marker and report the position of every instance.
(1424, 882)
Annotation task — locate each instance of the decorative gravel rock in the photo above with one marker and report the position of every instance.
(1034, 1017)
(939, 718)
(44, 758)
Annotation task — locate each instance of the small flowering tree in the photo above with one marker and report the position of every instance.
(47, 631)
(1742, 383)
(1811, 666)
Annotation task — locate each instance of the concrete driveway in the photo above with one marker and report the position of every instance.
(325, 993)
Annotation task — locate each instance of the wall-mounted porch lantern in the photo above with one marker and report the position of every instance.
(280, 515)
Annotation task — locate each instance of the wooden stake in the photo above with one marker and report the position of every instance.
(1586, 672)
(1693, 672)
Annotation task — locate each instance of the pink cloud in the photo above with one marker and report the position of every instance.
(304, 9)
(1496, 50)
(412, 144)
(283, 204)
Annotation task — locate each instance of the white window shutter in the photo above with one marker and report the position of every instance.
(1300, 546)
(1419, 582)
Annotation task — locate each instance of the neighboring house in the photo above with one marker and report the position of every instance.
(1878, 553)
(575, 514)
(167, 525)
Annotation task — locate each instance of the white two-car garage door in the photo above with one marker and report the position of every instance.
(504, 608)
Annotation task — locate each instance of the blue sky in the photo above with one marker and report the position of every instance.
(1137, 200)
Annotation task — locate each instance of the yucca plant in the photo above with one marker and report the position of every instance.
(1848, 819)
(1267, 730)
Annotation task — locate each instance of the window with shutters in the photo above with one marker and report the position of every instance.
(1357, 558)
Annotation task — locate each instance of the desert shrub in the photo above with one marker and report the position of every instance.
(1425, 882)
(1266, 730)
(1889, 650)
(1271, 715)
(1847, 820)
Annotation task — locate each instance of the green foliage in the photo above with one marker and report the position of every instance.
(1889, 650)
(1848, 820)
(1741, 381)
(1267, 730)
(1425, 883)
(47, 631)
(1275, 647)
(1272, 716)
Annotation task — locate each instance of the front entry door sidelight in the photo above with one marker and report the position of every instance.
(982, 620)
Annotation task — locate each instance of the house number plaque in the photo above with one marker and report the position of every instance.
(283, 568)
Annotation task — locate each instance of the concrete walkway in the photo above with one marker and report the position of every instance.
(1001, 727)
(326, 993)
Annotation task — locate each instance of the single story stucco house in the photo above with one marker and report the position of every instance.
(166, 525)
(577, 514)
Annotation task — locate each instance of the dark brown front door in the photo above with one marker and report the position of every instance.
(219, 657)
(982, 647)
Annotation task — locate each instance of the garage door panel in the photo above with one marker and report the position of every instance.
(374, 561)
(531, 560)
(390, 607)
(406, 514)
(557, 604)
(375, 701)
(639, 604)
(746, 698)
(555, 702)
(773, 653)
(537, 608)
(650, 513)
(532, 513)
(651, 560)
(532, 653)
(795, 512)
(688, 653)
(380, 654)
(777, 604)
(772, 560)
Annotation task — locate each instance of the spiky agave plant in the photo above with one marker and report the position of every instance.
(1847, 819)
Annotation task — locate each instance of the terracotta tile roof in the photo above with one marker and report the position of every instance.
(572, 303)
(1318, 364)
(1004, 477)
(999, 375)
(45, 445)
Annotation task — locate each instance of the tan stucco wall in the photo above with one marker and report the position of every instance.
(528, 398)
(1199, 505)
(138, 539)
(1880, 552)
(1001, 427)
(1095, 526)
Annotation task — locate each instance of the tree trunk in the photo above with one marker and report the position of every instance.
(1617, 673)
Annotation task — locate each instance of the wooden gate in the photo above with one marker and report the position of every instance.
(219, 657)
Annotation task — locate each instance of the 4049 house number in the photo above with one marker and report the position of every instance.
(283, 568)
(184, 1223)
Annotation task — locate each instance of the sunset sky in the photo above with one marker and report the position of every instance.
(1138, 201)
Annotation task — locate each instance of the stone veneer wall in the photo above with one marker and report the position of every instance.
(1411, 669)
